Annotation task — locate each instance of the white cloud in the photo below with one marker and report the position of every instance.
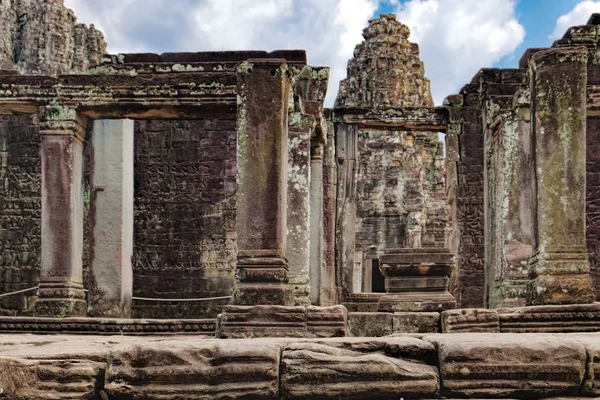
(459, 37)
(577, 16)
(327, 29)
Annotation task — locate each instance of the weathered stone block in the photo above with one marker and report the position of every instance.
(393, 367)
(591, 382)
(509, 365)
(470, 320)
(49, 379)
(416, 322)
(194, 370)
(282, 321)
(417, 302)
(567, 318)
(326, 321)
(561, 289)
(370, 324)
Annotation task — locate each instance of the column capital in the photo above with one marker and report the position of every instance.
(316, 151)
(57, 119)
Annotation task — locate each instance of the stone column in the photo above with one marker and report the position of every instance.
(316, 222)
(61, 287)
(262, 269)
(559, 266)
(328, 276)
(298, 205)
(346, 142)
(111, 218)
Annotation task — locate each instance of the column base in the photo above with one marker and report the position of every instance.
(57, 298)
(252, 294)
(262, 279)
(560, 289)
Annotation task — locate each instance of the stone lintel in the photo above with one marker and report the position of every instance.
(154, 96)
(419, 261)
(409, 118)
(190, 58)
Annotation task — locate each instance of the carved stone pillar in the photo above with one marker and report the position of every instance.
(298, 206)
(316, 222)
(262, 269)
(111, 212)
(559, 266)
(61, 287)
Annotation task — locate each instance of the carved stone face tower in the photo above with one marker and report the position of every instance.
(386, 70)
(400, 198)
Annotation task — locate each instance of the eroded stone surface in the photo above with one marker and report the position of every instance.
(370, 324)
(505, 365)
(377, 73)
(282, 321)
(120, 367)
(358, 369)
(194, 370)
(591, 383)
(470, 320)
(416, 322)
(567, 318)
(43, 37)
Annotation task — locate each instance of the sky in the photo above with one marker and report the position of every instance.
(456, 37)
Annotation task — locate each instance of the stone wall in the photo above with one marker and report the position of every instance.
(184, 221)
(20, 210)
(490, 171)
(593, 200)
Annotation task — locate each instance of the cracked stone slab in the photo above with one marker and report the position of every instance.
(509, 365)
(359, 368)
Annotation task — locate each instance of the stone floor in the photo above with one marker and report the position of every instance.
(461, 365)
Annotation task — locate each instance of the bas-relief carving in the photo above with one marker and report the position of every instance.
(20, 209)
(184, 214)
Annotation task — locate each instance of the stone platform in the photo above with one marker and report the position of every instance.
(534, 319)
(480, 365)
(107, 326)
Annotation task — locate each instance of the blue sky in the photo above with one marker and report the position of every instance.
(456, 37)
(538, 17)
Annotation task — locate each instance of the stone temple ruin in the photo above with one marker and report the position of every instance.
(200, 226)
